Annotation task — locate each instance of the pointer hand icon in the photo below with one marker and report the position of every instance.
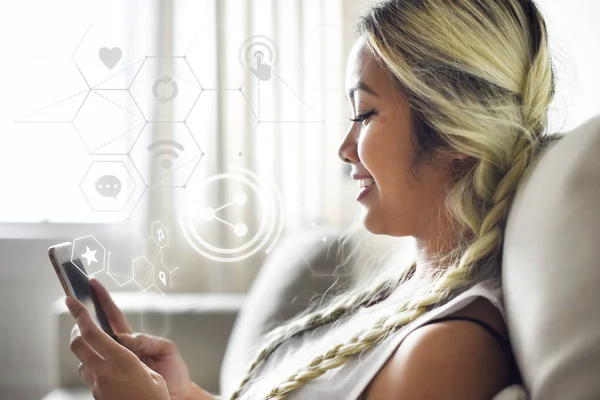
(262, 71)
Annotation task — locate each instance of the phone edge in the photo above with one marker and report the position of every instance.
(58, 268)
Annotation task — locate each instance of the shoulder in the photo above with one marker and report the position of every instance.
(448, 359)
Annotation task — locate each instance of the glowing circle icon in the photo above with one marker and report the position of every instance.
(269, 227)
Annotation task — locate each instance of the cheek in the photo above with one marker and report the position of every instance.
(369, 147)
(383, 154)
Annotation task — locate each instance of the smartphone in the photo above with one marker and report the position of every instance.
(74, 280)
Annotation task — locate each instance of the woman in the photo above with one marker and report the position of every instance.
(449, 102)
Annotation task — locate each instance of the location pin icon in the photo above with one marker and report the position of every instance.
(162, 277)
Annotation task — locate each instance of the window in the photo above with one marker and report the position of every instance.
(181, 110)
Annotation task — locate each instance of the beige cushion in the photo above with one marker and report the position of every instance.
(301, 268)
(551, 269)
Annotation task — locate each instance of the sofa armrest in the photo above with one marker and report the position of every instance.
(551, 269)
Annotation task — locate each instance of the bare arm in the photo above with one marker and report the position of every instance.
(445, 360)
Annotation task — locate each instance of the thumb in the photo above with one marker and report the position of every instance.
(132, 342)
(140, 343)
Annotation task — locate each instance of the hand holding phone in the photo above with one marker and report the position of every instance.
(75, 282)
(160, 355)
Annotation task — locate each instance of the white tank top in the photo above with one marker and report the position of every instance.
(348, 381)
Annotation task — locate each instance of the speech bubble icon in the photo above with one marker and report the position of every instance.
(108, 186)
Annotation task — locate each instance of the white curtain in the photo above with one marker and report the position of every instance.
(283, 123)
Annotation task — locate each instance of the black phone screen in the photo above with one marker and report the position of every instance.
(84, 293)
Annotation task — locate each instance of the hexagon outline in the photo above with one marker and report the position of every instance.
(153, 183)
(94, 151)
(103, 256)
(135, 280)
(108, 161)
(112, 273)
(81, 72)
(162, 226)
(200, 87)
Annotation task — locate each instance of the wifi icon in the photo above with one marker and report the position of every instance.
(166, 149)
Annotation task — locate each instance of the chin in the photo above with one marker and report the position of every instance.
(379, 225)
(374, 223)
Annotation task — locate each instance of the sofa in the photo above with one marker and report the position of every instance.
(550, 273)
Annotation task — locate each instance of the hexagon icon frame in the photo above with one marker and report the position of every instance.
(169, 149)
(107, 58)
(162, 267)
(80, 255)
(169, 77)
(137, 183)
(161, 229)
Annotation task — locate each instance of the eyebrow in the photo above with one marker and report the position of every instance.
(361, 85)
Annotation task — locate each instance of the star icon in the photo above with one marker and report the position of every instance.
(89, 255)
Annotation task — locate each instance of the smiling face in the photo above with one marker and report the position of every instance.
(380, 146)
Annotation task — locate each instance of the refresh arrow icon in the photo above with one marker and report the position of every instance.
(162, 82)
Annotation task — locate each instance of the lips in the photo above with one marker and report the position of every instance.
(364, 191)
(361, 176)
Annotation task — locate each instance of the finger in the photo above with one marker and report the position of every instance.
(140, 343)
(90, 331)
(115, 316)
(83, 351)
(86, 375)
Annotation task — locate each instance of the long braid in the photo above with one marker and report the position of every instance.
(342, 307)
(341, 353)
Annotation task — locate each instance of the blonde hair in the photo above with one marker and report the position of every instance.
(479, 78)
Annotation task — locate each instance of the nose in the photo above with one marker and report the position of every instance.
(348, 151)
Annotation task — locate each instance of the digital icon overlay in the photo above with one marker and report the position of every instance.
(108, 185)
(270, 226)
(110, 57)
(165, 89)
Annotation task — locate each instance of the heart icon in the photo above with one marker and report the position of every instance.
(110, 57)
